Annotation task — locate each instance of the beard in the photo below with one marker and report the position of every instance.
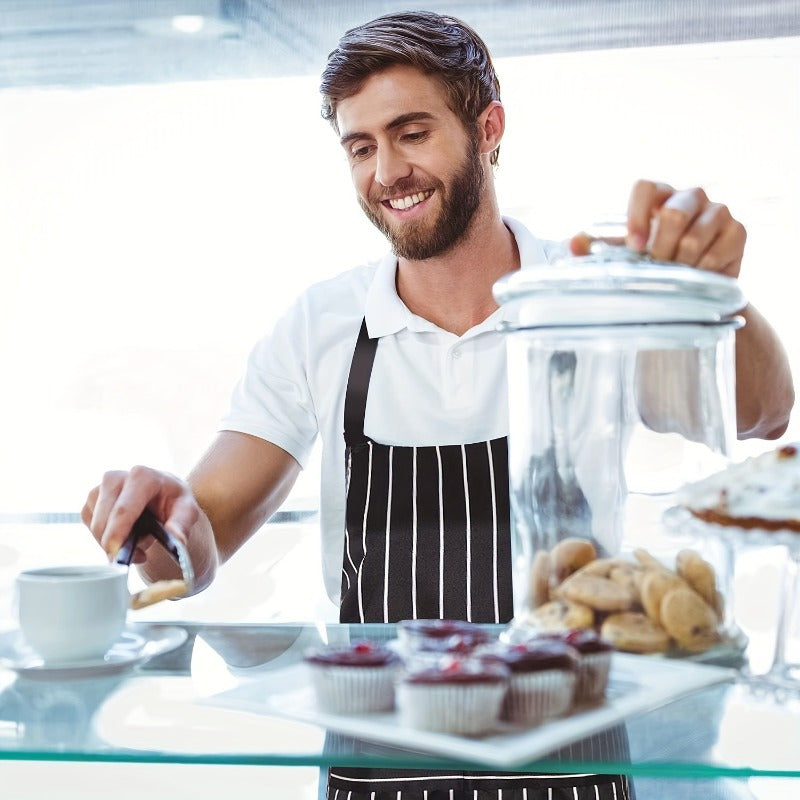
(424, 239)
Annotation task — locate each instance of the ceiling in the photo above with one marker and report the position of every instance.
(82, 43)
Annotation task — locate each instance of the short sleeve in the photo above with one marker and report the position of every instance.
(272, 400)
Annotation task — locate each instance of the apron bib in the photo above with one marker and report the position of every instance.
(427, 537)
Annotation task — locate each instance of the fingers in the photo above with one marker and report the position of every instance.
(581, 243)
(88, 507)
(696, 240)
(673, 223)
(686, 227)
(99, 503)
(645, 198)
(726, 252)
(112, 508)
(123, 496)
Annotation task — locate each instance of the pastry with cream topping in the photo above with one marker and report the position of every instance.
(762, 491)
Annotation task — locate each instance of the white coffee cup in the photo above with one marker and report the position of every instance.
(72, 613)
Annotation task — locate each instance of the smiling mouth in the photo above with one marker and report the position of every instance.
(402, 203)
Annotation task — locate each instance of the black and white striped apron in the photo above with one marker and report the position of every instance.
(427, 536)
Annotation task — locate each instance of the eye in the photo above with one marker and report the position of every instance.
(415, 136)
(360, 152)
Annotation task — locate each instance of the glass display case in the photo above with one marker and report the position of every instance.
(163, 166)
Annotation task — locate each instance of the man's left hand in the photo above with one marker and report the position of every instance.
(682, 226)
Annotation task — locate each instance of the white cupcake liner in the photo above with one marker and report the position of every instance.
(593, 673)
(533, 697)
(353, 690)
(467, 709)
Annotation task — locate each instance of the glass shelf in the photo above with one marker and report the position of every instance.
(161, 711)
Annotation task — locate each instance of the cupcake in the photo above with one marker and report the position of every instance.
(456, 695)
(426, 641)
(543, 677)
(594, 662)
(442, 635)
(355, 679)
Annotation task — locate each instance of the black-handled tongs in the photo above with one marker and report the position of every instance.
(148, 525)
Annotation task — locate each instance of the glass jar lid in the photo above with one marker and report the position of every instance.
(615, 285)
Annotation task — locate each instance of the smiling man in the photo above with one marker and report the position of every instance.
(398, 366)
(419, 172)
(396, 196)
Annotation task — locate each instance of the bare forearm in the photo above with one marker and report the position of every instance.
(764, 388)
(239, 483)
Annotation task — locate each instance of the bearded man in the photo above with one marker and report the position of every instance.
(398, 366)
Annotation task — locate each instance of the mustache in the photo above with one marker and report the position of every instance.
(399, 189)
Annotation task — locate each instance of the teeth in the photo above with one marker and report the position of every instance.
(409, 200)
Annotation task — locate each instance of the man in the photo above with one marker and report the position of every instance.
(404, 357)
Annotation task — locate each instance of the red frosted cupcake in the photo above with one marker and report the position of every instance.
(440, 635)
(354, 679)
(594, 662)
(456, 695)
(425, 641)
(543, 677)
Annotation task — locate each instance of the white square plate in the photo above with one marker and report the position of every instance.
(636, 685)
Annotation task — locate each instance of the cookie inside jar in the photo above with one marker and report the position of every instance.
(638, 602)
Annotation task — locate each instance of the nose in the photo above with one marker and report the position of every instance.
(390, 166)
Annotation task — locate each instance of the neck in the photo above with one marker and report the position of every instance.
(454, 290)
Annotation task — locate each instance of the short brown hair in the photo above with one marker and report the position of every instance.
(441, 46)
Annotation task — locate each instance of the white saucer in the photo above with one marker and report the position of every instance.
(136, 644)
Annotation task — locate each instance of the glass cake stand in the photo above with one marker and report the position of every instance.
(782, 675)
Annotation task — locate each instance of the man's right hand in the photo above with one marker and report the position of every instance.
(240, 481)
(114, 505)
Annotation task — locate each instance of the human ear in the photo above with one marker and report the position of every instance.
(491, 124)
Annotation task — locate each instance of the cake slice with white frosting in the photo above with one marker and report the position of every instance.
(762, 491)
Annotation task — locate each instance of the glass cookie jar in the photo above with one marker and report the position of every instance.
(621, 385)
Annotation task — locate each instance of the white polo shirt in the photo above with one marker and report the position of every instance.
(428, 386)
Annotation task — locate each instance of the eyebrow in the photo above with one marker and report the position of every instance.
(397, 122)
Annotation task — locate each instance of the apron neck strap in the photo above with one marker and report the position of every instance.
(355, 398)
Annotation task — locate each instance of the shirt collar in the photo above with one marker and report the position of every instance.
(386, 313)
